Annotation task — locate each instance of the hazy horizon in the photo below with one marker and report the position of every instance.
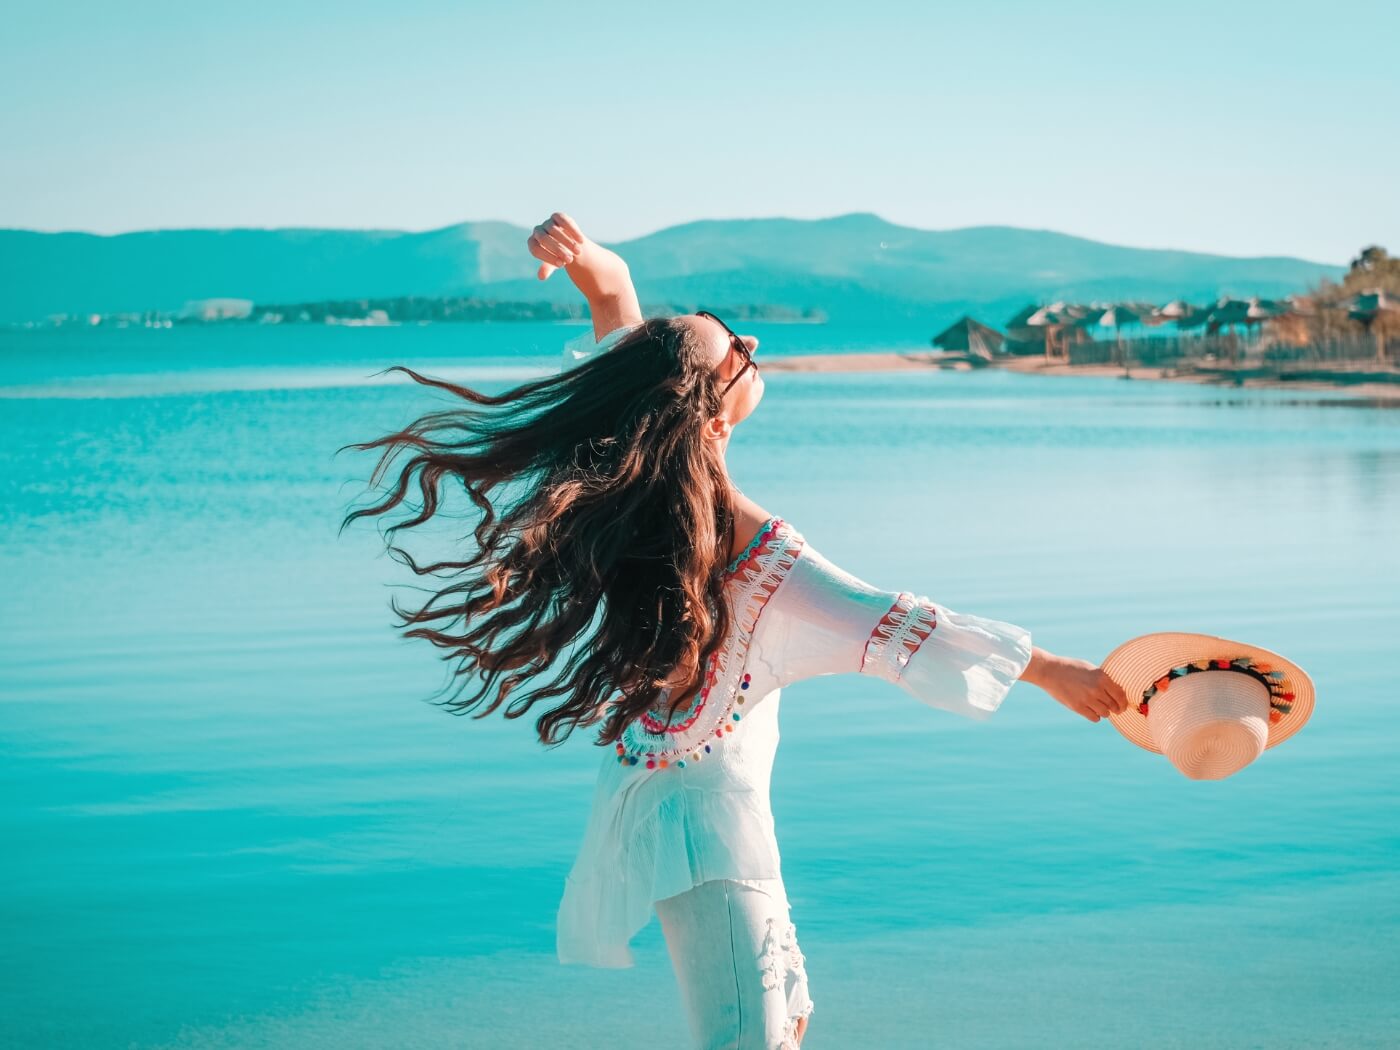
(689, 222)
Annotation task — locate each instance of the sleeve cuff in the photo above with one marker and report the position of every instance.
(959, 662)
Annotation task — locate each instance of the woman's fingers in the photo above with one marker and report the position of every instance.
(559, 233)
(569, 228)
(1102, 704)
(1117, 698)
(548, 259)
(557, 251)
(556, 242)
(563, 237)
(1088, 690)
(547, 250)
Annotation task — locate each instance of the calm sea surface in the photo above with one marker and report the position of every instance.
(230, 820)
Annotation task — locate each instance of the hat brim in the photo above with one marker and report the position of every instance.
(1138, 663)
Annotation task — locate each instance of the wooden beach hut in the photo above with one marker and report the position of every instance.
(970, 336)
(1021, 338)
(1379, 313)
(1063, 323)
(1115, 317)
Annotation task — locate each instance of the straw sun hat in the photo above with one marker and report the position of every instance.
(1211, 705)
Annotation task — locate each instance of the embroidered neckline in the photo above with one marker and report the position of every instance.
(715, 710)
(764, 529)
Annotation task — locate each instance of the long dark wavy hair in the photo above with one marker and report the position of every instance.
(606, 521)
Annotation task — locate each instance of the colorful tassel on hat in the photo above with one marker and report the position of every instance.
(1279, 704)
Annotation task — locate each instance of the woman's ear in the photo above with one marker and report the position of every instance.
(716, 428)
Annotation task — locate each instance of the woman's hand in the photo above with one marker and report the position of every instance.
(598, 273)
(1084, 688)
(555, 242)
(559, 243)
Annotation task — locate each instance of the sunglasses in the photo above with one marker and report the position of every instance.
(740, 347)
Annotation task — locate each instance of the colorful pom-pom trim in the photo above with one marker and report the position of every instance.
(653, 760)
(774, 539)
(1280, 700)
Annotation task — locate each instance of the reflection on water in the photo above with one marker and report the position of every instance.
(1337, 400)
(232, 821)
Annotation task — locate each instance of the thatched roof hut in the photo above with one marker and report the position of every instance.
(971, 336)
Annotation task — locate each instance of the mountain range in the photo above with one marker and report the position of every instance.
(857, 268)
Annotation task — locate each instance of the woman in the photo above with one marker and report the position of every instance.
(672, 609)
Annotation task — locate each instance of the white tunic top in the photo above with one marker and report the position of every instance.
(680, 804)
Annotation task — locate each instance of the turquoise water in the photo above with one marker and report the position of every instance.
(230, 821)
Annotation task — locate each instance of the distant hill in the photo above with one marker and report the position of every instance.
(855, 267)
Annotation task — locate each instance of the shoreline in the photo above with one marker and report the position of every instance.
(1367, 381)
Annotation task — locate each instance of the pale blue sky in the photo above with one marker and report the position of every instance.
(1237, 127)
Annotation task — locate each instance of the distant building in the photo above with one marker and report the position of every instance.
(217, 310)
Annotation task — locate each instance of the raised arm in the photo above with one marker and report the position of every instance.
(600, 274)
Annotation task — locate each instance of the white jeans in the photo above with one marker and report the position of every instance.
(734, 950)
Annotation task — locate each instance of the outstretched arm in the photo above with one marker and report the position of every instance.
(828, 621)
(598, 273)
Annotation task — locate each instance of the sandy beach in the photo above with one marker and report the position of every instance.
(1367, 381)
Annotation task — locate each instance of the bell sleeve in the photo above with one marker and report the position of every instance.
(582, 347)
(828, 621)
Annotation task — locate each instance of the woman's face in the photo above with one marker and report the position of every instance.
(726, 362)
